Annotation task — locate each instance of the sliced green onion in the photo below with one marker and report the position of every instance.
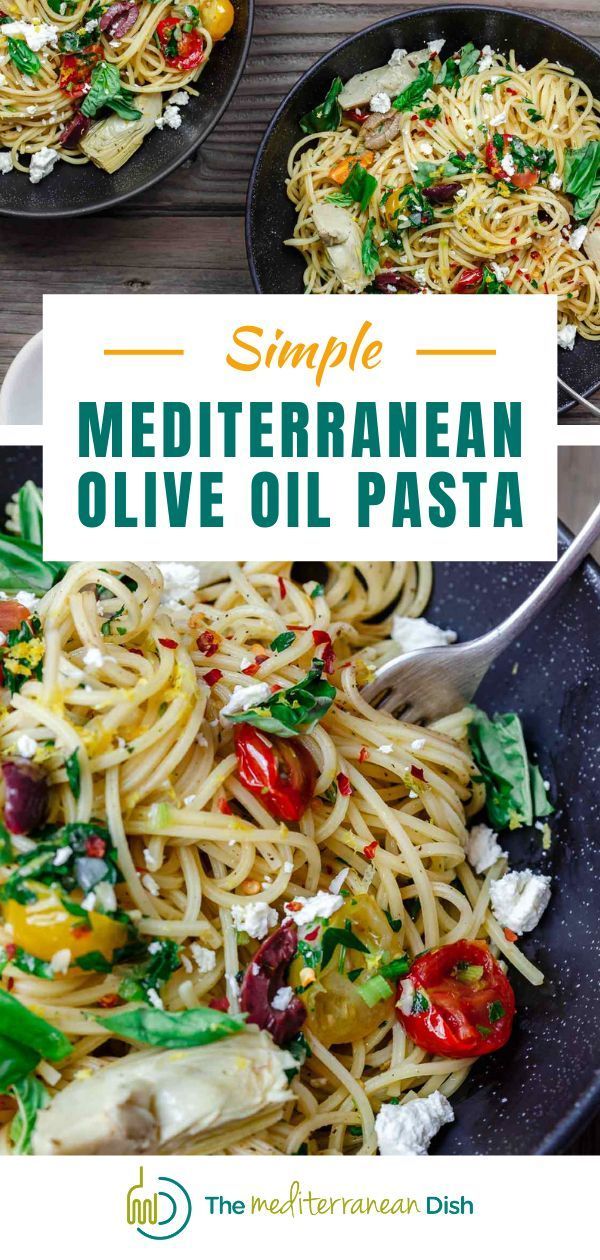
(374, 990)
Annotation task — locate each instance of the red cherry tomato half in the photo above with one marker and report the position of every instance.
(463, 1004)
(12, 614)
(280, 772)
(181, 49)
(524, 179)
(470, 279)
(76, 70)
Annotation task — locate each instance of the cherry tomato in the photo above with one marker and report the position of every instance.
(218, 17)
(470, 279)
(76, 70)
(463, 1004)
(280, 772)
(45, 926)
(524, 179)
(493, 161)
(12, 614)
(181, 49)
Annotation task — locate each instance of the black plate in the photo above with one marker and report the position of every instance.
(270, 216)
(535, 1096)
(72, 190)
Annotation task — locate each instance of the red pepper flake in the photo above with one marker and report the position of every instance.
(255, 666)
(328, 659)
(414, 117)
(417, 773)
(275, 687)
(168, 643)
(513, 240)
(363, 754)
(534, 254)
(82, 929)
(293, 905)
(460, 154)
(282, 587)
(208, 643)
(512, 92)
(510, 936)
(10, 983)
(320, 636)
(110, 999)
(212, 676)
(219, 1004)
(344, 785)
(298, 629)
(224, 807)
(11, 950)
(312, 936)
(371, 850)
(429, 122)
(136, 651)
(95, 847)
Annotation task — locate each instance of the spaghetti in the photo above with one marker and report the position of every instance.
(129, 715)
(471, 181)
(87, 80)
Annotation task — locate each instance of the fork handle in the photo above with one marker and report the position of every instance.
(570, 560)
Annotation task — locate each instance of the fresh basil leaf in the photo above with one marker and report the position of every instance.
(6, 849)
(23, 57)
(359, 186)
(541, 804)
(582, 178)
(31, 1097)
(94, 961)
(160, 960)
(327, 116)
(20, 1024)
(469, 58)
(74, 773)
(498, 749)
(334, 937)
(294, 710)
(174, 1030)
(491, 284)
(25, 512)
(22, 567)
(283, 641)
(369, 251)
(414, 93)
(18, 668)
(16, 1062)
(92, 860)
(122, 106)
(105, 86)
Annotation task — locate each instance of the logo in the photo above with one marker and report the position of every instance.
(164, 1213)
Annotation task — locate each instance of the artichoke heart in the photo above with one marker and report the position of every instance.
(111, 142)
(154, 1102)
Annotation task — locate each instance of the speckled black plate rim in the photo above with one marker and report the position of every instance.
(567, 402)
(106, 203)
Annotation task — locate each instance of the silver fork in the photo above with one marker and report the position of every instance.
(432, 682)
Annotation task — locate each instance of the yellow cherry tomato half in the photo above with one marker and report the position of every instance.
(217, 17)
(336, 1012)
(45, 926)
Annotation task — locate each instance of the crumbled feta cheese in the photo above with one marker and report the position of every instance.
(435, 46)
(397, 56)
(179, 98)
(89, 901)
(205, 959)
(60, 961)
(150, 885)
(155, 1000)
(555, 182)
(482, 848)
(256, 918)
(28, 599)
(566, 336)
(106, 897)
(508, 164)
(426, 149)
(338, 880)
(91, 25)
(6, 162)
(418, 744)
(244, 698)
(486, 59)
(385, 748)
(150, 861)
(26, 746)
(462, 193)
(519, 899)
(181, 581)
(36, 35)
(170, 117)
(154, 947)
(282, 998)
(42, 163)
(500, 271)
(406, 998)
(416, 632)
(421, 277)
(93, 658)
(380, 103)
(321, 906)
(62, 855)
(499, 119)
(578, 236)
(407, 1128)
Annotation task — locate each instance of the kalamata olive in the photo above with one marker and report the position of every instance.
(266, 974)
(74, 131)
(395, 282)
(438, 194)
(27, 796)
(119, 19)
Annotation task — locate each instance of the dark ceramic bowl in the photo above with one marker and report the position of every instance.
(73, 190)
(270, 216)
(537, 1094)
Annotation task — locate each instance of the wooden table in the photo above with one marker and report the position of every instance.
(187, 234)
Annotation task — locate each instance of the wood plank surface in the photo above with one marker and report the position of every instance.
(186, 234)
